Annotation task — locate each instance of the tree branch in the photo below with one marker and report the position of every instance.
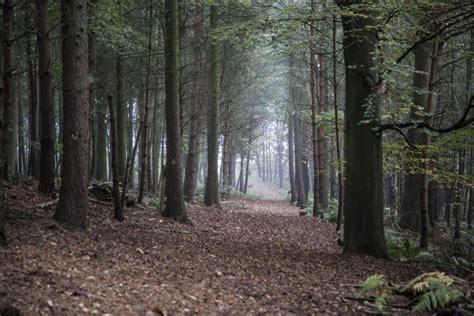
(461, 123)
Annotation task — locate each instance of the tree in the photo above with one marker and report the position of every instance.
(46, 177)
(194, 133)
(3, 234)
(363, 200)
(118, 206)
(211, 196)
(71, 210)
(175, 207)
(10, 109)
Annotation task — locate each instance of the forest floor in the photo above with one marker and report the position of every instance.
(251, 257)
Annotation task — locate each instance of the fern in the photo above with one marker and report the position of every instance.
(437, 291)
(378, 285)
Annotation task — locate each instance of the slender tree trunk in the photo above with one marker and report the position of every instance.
(301, 199)
(195, 130)
(322, 142)
(101, 143)
(156, 144)
(211, 196)
(144, 123)
(92, 101)
(458, 205)
(241, 175)
(118, 206)
(47, 171)
(363, 200)
(33, 163)
(73, 198)
(175, 207)
(121, 118)
(314, 127)
(3, 232)
(247, 170)
(470, 211)
(291, 160)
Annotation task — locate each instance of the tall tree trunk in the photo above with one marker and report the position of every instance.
(241, 175)
(363, 200)
(301, 199)
(459, 192)
(145, 120)
(33, 163)
(73, 198)
(10, 114)
(3, 232)
(470, 211)
(118, 206)
(175, 207)
(47, 171)
(22, 164)
(291, 160)
(195, 130)
(340, 177)
(156, 141)
(314, 127)
(211, 196)
(101, 143)
(322, 142)
(121, 119)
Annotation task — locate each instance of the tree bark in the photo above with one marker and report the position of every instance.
(322, 142)
(195, 130)
(47, 170)
(211, 196)
(3, 232)
(363, 200)
(340, 177)
(33, 161)
(121, 118)
(118, 207)
(291, 160)
(314, 127)
(10, 115)
(142, 186)
(71, 210)
(301, 199)
(175, 207)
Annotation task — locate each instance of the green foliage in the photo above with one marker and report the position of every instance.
(378, 285)
(330, 213)
(437, 291)
(433, 291)
(400, 247)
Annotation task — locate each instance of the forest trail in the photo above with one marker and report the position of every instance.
(266, 190)
(246, 259)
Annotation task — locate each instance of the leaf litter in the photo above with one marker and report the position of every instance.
(252, 257)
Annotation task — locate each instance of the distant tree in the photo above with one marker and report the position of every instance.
(73, 198)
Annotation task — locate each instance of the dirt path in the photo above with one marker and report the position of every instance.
(266, 190)
(253, 257)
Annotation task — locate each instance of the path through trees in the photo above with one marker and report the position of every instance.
(256, 256)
